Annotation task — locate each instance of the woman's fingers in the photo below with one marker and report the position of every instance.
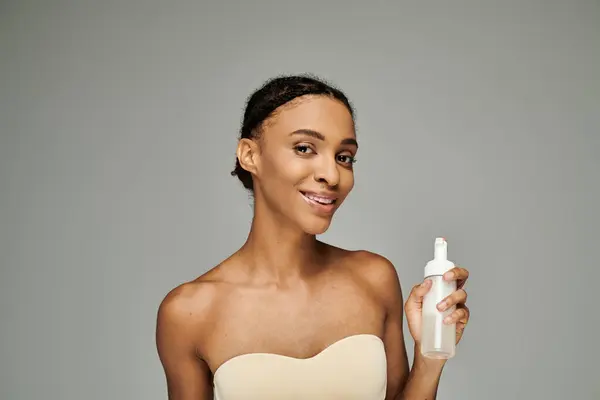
(415, 298)
(460, 316)
(419, 291)
(456, 298)
(458, 274)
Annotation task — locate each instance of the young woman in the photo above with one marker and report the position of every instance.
(288, 316)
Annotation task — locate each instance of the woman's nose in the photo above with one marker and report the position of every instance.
(327, 172)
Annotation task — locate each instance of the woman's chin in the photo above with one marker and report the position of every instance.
(316, 227)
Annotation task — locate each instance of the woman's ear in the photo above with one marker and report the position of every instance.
(247, 154)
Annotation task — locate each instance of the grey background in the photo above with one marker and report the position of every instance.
(478, 121)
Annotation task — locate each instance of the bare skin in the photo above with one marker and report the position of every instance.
(284, 292)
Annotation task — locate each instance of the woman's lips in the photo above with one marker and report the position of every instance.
(324, 203)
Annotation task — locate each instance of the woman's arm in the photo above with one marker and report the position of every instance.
(421, 381)
(188, 377)
(425, 373)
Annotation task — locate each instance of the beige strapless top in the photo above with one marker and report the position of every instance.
(351, 368)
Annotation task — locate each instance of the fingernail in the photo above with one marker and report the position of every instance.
(449, 275)
(441, 306)
(448, 319)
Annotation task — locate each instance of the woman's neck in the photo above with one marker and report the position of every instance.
(277, 252)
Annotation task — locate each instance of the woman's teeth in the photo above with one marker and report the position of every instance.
(319, 199)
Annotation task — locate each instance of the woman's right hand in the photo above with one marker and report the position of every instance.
(414, 304)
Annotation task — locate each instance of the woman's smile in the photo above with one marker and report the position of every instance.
(320, 202)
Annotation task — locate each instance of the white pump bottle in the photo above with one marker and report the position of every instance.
(438, 340)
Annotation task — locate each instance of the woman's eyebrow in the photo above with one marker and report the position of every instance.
(320, 136)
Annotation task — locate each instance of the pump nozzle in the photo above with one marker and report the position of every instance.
(440, 263)
(440, 249)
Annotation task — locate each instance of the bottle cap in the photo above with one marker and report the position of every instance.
(440, 264)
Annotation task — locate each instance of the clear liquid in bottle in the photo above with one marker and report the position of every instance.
(438, 339)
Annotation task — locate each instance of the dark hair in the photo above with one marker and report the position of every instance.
(270, 96)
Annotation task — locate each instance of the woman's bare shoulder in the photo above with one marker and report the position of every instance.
(369, 264)
(372, 268)
(194, 302)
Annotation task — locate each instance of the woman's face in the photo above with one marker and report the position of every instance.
(305, 162)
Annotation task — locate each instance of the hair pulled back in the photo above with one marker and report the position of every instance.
(270, 96)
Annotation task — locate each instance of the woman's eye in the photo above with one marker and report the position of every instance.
(346, 159)
(302, 148)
